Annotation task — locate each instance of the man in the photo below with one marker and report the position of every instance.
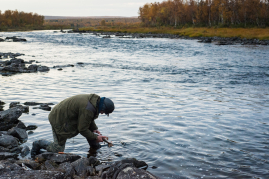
(72, 116)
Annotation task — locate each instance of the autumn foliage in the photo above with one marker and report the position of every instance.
(223, 13)
(16, 19)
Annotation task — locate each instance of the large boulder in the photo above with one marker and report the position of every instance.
(18, 133)
(8, 141)
(9, 118)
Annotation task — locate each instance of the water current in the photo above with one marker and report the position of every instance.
(192, 110)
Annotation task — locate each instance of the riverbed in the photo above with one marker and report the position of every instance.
(188, 109)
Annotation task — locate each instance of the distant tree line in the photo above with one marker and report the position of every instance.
(238, 13)
(16, 19)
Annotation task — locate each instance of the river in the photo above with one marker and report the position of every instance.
(192, 110)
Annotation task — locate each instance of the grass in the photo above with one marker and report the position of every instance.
(248, 33)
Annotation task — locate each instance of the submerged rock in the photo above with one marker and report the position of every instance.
(31, 127)
(45, 107)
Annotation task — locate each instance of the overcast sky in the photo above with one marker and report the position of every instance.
(77, 7)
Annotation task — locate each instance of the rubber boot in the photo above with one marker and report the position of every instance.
(37, 145)
(93, 144)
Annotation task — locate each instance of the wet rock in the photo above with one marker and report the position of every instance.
(101, 167)
(3, 149)
(67, 169)
(18, 133)
(59, 69)
(8, 141)
(80, 63)
(224, 43)
(29, 163)
(80, 166)
(118, 166)
(25, 151)
(93, 161)
(9, 118)
(24, 109)
(35, 104)
(43, 68)
(3, 132)
(45, 107)
(133, 172)
(90, 171)
(31, 127)
(6, 155)
(30, 132)
(57, 158)
(2, 40)
(19, 40)
(21, 125)
(2, 103)
(32, 68)
(63, 66)
(16, 150)
(50, 165)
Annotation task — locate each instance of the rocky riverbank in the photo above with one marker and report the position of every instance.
(15, 161)
(12, 39)
(214, 40)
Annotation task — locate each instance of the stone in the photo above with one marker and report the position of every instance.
(67, 169)
(101, 167)
(31, 127)
(21, 125)
(50, 165)
(90, 171)
(2, 103)
(80, 166)
(42, 68)
(18, 133)
(30, 132)
(57, 158)
(6, 155)
(9, 118)
(93, 161)
(133, 172)
(8, 141)
(3, 149)
(32, 68)
(25, 151)
(16, 150)
(118, 166)
(45, 107)
(29, 163)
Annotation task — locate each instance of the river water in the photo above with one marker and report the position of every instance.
(192, 110)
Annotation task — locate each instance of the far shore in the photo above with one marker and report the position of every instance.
(248, 33)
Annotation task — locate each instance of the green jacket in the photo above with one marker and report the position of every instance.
(75, 115)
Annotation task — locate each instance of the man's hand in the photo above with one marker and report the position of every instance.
(100, 138)
(98, 132)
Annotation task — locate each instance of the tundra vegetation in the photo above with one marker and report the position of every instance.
(234, 18)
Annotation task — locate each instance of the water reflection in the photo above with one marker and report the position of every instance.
(189, 109)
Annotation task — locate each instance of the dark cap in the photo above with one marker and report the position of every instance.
(108, 106)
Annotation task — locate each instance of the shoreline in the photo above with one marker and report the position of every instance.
(202, 39)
